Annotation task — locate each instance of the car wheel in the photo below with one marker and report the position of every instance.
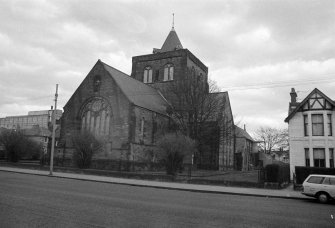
(323, 197)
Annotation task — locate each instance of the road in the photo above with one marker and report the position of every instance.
(41, 201)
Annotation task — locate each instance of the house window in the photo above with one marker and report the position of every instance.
(147, 75)
(329, 124)
(317, 125)
(319, 157)
(331, 157)
(307, 160)
(168, 72)
(306, 125)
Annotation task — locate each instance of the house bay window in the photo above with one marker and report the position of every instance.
(319, 157)
(317, 125)
(307, 160)
(329, 124)
(331, 157)
(306, 125)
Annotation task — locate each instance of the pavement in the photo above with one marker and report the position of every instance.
(287, 193)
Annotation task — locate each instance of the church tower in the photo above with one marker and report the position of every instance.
(170, 63)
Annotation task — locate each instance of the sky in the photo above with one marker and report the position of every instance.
(256, 50)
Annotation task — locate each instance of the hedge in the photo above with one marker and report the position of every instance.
(277, 173)
(302, 172)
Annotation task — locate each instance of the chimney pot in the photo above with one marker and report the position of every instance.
(293, 95)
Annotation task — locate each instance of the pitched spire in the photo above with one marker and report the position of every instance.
(171, 42)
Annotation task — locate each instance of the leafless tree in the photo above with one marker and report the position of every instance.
(272, 138)
(85, 145)
(199, 111)
(195, 103)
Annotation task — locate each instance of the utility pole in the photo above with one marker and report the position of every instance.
(53, 133)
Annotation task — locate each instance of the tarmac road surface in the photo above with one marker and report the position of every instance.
(41, 201)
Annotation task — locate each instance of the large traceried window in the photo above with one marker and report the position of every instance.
(147, 75)
(317, 125)
(96, 116)
(168, 72)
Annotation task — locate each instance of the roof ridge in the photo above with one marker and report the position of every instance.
(128, 76)
(300, 104)
(113, 68)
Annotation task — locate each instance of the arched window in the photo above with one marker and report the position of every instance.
(168, 72)
(147, 75)
(96, 117)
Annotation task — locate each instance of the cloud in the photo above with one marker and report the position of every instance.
(257, 50)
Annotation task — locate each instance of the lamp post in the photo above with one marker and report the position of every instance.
(53, 133)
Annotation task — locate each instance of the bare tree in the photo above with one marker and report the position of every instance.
(194, 103)
(272, 138)
(199, 111)
(85, 145)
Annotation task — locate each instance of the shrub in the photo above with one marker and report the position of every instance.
(173, 150)
(278, 173)
(18, 146)
(303, 172)
(85, 145)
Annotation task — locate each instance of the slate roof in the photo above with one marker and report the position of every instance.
(242, 133)
(171, 43)
(137, 92)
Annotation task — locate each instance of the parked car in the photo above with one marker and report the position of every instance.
(322, 187)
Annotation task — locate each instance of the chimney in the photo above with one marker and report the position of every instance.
(52, 107)
(293, 96)
(244, 127)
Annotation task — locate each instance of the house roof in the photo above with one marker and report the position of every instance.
(292, 111)
(137, 92)
(239, 132)
(171, 42)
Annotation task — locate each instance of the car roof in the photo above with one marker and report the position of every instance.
(320, 175)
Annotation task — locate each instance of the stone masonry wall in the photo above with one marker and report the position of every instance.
(116, 142)
(148, 127)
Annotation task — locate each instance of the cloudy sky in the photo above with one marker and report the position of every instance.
(255, 50)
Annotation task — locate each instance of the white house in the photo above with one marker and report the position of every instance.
(310, 125)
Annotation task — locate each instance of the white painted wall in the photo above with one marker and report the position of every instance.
(298, 142)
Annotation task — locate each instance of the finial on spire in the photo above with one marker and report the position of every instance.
(172, 20)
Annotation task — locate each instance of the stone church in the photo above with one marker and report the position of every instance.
(128, 113)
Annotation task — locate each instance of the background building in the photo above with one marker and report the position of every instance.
(41, 118)
(246, 150)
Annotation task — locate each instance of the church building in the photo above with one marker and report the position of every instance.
(129, 113)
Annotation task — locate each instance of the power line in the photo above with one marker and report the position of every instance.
(279, 84)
